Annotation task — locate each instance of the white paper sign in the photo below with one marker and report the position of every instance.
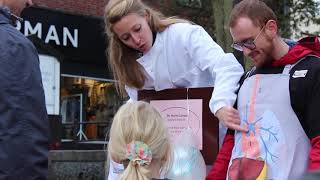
(175, 112)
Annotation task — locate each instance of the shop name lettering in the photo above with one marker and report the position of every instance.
(52, 35)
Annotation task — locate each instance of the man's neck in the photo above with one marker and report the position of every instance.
(280, 48)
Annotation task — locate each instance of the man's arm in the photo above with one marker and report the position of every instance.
(313, 121)
(314, 156)
(305, 100)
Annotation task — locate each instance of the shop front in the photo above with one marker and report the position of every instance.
(80, 91)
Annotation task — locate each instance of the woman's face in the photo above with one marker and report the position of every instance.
(134, 31)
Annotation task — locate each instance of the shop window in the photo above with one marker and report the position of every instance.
(87, 108)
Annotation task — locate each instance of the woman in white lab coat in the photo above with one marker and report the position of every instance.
(149, 51)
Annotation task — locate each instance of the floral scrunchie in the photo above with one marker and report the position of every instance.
(139, 153)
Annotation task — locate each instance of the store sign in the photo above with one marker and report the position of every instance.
(67, 37)
(80, 39)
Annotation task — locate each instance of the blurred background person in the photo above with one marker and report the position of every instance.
(24, 126)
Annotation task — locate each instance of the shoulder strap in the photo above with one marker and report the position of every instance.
(288, 67)
(302, 59)
(250, 72)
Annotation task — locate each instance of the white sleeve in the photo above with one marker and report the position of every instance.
(228, 73)
(132, 93)
(208, 55)
(114, 170)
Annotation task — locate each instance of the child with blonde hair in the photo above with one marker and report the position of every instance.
(139, 140)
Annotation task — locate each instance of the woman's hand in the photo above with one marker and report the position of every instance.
(230, 118)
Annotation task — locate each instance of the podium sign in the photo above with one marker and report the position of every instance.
(183, 108)
(180, 115)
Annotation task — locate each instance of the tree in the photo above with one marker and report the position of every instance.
(221, 11)
(293, 14)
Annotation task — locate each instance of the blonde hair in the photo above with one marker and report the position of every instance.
(122, 59)
(139, 121)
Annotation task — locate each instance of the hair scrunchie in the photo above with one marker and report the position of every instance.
(138, 153)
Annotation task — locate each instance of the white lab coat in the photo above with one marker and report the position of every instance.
(184, 55)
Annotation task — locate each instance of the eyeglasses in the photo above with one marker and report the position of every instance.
(249, 44)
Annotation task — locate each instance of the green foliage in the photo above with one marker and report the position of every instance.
(197, 11)
(292, 14)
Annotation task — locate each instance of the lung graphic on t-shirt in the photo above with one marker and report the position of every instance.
(262, 138)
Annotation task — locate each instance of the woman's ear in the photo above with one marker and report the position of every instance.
(271, 28)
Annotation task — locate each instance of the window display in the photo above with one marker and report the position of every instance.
(87, 108)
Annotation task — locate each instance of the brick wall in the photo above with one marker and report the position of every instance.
(202, 16)
(86, 7)
(83, 7)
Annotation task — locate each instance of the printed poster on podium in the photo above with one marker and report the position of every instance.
(188, 108)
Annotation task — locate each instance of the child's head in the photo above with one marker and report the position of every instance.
(139, 140)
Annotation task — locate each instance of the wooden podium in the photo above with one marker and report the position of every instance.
(210, 123)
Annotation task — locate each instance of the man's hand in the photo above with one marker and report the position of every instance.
(230, 118)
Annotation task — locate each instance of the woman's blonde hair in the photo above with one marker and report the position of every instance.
(139, 121)
(122, 59)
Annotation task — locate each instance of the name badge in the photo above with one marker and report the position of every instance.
(301, 73)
